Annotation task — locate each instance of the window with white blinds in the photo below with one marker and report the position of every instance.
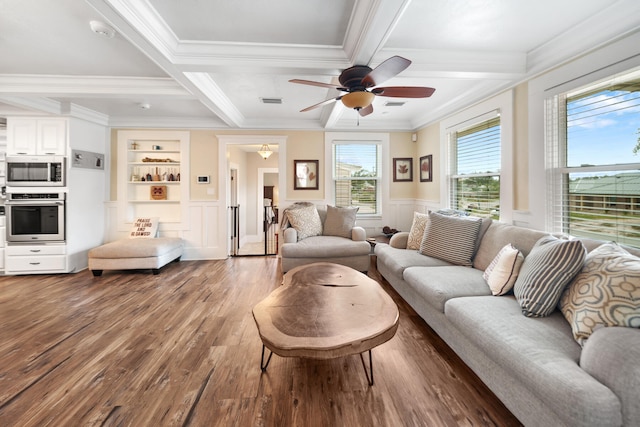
(356, 176)
(592, 152)
(475, 169)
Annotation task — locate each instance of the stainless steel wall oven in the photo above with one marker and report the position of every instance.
(35, 217)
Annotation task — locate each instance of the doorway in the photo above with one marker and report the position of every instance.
(252, 192)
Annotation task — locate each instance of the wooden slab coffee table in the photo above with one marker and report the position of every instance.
(323, 311)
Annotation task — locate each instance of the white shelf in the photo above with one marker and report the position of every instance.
(154, 182)
(154, 163)
(154, 201)
(154, 151)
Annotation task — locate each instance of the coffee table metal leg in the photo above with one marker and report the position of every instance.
(369, 373)
(263, 365)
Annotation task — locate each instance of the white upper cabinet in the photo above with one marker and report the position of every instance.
(34, 136)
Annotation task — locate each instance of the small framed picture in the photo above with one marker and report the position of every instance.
(402, 169)
(306, 174)
(425, 168)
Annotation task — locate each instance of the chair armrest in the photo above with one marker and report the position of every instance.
(399, 240)
(290, 235)
(358, 234)
(611, 356)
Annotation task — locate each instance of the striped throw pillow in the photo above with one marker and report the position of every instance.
(452, 239)
(549, 267)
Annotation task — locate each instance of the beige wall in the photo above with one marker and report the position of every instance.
(429, 143)
(305, 145)
(203, 150)
(401, 146)
(521, 148)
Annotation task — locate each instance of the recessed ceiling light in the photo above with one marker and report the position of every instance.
(102, 29)
(144, 106)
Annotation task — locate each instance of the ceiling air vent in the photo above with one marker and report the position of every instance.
(394, 103)
(271, 100)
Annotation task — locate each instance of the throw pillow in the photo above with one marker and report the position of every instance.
(144, 228)
(605, 293)
(417, 230)
(548, 268)
(503, 271)
(306, 221)
(340, 221)
(450, 238)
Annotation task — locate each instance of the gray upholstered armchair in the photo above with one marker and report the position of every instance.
(312, 234)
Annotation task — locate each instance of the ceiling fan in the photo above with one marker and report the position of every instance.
(361, 84)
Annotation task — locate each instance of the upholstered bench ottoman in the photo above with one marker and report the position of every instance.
(135, 254)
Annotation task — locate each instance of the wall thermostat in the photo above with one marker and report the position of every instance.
(203, 179)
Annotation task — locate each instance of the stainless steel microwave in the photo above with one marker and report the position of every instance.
(36, 171)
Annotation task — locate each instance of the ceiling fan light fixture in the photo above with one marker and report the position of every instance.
(358, 100)
(264, 151)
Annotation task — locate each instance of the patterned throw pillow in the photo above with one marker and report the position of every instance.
(306, 221)
(144, 228)
(417, 230)
(450, 238)
(605, 293)
(548, 268)
(503, 271)
(339, 221)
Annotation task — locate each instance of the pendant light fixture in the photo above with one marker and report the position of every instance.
(264, 151)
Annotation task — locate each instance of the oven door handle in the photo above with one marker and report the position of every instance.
(33, 203)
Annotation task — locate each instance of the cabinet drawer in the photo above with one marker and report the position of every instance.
(36, 263)
(35, 250)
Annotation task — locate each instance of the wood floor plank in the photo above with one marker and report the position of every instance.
(181, 349)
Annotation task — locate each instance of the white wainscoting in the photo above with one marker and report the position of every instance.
(204, 229)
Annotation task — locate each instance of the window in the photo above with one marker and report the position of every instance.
(593, 145)
(356, 176)
(475, 154)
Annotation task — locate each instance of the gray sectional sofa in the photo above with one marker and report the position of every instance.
(534, 365)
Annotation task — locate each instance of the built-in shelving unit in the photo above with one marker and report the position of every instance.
(152, 167)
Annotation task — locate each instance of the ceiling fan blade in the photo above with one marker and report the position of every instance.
(386, 70)
(319, 84)
(404, 91)
(320, 104)
(366, 110)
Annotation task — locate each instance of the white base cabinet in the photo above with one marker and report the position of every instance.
(30, 259)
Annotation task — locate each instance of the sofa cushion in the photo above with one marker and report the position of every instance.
(500, 234)
(452, 239)
(306, 221)
(339, 221)
(550, 266)
(417, 230)
(325, 247)
(440, 284)
(397, 259)
(540, 352)
(503, 270)
(606, 292)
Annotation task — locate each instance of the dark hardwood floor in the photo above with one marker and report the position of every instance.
(181, 348)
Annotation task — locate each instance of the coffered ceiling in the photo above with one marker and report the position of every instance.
(211, 63)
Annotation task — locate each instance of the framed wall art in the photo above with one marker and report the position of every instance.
(306, 174)
(402, 169)
(426, 168)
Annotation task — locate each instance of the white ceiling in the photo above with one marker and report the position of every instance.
(208, 63)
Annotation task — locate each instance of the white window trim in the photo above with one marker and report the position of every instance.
(331, 138)
(615, 58)
(502, 103)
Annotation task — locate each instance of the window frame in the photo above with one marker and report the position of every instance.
(556, 154)
(368, 138)
(502, 104)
